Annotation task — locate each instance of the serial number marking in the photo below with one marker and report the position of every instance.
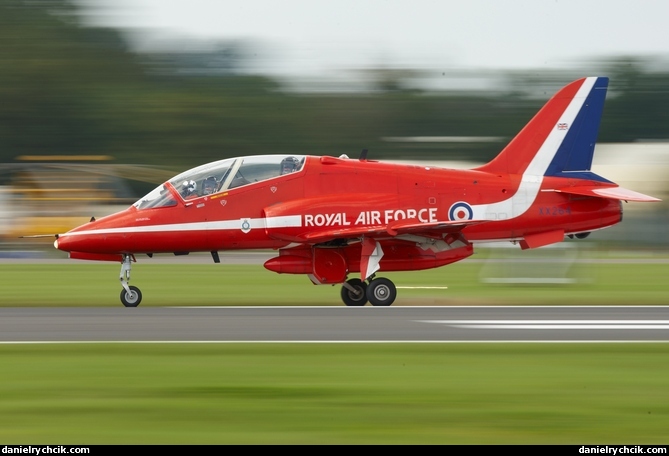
(554, 210)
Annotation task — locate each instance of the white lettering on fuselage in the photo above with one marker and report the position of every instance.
(423, 215)
(337, 219)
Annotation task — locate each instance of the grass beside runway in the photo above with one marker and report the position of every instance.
(464, 283)
(334, 394)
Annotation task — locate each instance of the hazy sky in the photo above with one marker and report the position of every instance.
(316, 36)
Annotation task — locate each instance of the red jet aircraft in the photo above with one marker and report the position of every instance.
(332, 217)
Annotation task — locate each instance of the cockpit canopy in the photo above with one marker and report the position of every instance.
(220, 176)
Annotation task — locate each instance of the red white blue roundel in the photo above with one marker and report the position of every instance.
(460, 211)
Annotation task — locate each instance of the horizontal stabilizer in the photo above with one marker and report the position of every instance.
(616, 193)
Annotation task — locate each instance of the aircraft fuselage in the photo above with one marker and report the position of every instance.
(331, 195)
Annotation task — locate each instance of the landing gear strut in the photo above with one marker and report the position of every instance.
(130, 295)
(379, 292)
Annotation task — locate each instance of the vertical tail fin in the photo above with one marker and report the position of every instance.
(560, 139)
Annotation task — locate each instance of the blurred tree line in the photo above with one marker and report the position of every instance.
(66, 89)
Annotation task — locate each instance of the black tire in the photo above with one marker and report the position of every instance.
(131, 299)
(381, 292)
(350, 298)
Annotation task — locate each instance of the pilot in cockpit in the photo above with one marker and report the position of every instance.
(209, 185)
(188, 189)
(289, 165)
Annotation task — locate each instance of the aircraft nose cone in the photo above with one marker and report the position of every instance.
(70, 242)
(64, 242)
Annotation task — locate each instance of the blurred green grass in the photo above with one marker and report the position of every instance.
(335, 394)
(96, 284)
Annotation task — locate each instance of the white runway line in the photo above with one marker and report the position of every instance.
(331, 342)
(553, 324)
(422, 288)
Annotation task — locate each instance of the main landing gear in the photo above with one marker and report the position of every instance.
(130, 295)
(379, 292)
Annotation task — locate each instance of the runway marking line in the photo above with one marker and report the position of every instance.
(552, 324)
(293, 342)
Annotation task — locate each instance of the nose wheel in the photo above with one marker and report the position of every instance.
(130, 295)
(131, 298)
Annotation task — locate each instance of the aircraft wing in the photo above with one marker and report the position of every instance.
(414, 227)
(401, 227)
(617, 193)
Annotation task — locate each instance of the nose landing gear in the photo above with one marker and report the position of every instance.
(130, 295)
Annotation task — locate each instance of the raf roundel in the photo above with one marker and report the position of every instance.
(460, 211)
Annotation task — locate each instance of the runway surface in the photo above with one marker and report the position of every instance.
(336, 324)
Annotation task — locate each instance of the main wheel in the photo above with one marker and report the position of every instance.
(381, 292)
(131, 299)
(352, 299)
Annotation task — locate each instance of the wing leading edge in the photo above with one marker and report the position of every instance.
(402, 227)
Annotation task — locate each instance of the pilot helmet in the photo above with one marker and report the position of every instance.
(289, 165)
(209, 185)
(188, 187)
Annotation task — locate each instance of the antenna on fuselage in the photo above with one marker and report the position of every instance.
(363, 155)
